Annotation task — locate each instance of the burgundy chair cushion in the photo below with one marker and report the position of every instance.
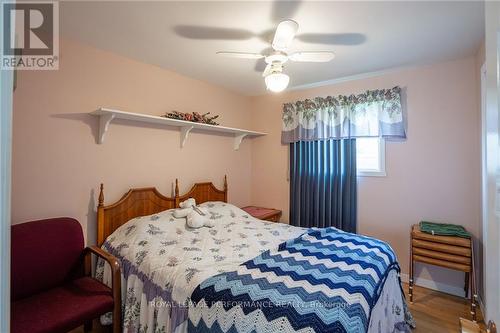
(45, 254)
(61, 309)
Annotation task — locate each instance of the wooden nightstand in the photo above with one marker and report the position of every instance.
(261, 213)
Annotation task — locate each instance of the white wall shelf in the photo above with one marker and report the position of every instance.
(106, 116)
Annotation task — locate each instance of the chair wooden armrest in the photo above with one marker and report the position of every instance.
(116, 281)
(111, 259)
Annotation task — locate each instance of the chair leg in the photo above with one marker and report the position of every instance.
(466, 285)
(117, 327)
(410, 280)
(410, 288)
(473, 291)
(474, 308)
(87, 326)
(117, 319)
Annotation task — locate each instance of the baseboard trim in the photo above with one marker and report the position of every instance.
(438, 286)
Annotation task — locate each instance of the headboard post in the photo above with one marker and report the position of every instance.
(100, 217)
(225, 188)
(177, 201)
(101, 196)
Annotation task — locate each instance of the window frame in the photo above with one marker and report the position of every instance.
(381, 172)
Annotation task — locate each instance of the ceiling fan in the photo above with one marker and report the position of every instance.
(274, 77)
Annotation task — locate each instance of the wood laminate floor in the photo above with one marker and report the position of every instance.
(434, 312)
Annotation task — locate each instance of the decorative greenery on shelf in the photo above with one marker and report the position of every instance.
(194, 117)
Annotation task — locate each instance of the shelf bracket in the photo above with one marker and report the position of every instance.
(104, 121)
(237, 140)
(184, 134)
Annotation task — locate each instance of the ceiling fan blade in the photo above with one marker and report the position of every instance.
(285, 32)
(242, 55)
(267, 70)
(321, 56)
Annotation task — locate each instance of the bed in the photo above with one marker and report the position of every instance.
(243, 274)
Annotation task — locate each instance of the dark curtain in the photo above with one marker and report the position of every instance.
(323, 184)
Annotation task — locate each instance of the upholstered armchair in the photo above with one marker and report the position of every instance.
(51, 287)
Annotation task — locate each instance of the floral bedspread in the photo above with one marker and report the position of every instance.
(163, 261)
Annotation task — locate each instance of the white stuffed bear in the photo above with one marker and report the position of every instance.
(188, 203)
(196, 217)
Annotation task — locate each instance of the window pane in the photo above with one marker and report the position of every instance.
(368, 154)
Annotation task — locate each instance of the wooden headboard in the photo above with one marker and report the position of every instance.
(146, 201)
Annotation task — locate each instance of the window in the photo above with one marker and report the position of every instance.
(370, 156)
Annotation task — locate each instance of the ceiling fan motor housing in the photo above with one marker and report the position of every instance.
(276, 67)
(277, 57)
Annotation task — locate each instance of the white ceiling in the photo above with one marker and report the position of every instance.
(370, 36)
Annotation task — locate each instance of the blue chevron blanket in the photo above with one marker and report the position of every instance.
(326, 280)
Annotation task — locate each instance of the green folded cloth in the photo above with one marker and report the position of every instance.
(444, 229)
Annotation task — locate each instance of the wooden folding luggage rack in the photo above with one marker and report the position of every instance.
(445, 251)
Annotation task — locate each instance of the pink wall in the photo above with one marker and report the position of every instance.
(434, 175)
(57, 165)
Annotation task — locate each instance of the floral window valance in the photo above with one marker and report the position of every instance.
(375, 113)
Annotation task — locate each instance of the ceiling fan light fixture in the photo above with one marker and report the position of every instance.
(277, 82)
